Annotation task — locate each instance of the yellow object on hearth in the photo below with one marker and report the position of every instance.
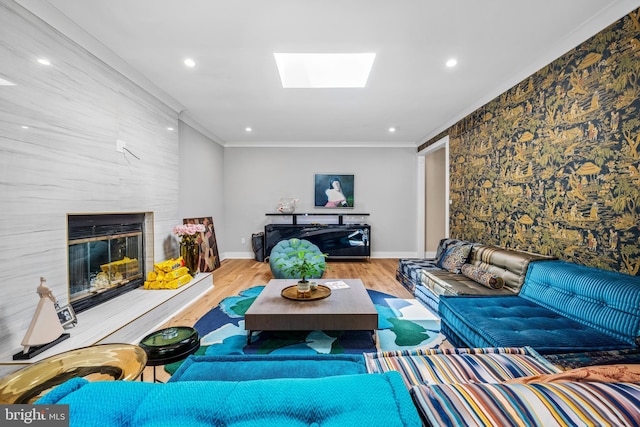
(169, 265)
(176, 273)
(172, 284)
(170, 274)
(180, 281)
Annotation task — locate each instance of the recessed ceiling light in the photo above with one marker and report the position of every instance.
(24, 127)
(4, 82)
(170, 128)
(392, 129)
(324, 70)
(248, 129)
(189, 62)
(452, 62)
(44, 61)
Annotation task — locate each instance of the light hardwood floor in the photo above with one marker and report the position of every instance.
(234, 275)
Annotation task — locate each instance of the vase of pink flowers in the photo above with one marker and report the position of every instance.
(189, 247)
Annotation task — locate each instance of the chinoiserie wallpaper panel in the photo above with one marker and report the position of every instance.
(552, 165)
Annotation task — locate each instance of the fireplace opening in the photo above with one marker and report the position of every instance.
(106, 257)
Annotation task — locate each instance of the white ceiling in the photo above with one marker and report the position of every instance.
(235, 83)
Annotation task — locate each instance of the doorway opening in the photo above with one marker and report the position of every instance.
(433, 197)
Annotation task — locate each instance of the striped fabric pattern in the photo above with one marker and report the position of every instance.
(535, 404)
(408, 272)
(460, 365)
(607, 301)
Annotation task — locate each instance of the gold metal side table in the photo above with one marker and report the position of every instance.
(102, 362)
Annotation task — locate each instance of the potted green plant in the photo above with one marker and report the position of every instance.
(303, 264)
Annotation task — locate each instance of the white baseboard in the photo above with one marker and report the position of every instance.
(238, 255)
(251, 255)
(393, 255)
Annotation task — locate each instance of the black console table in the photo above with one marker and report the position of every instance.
(341, 240)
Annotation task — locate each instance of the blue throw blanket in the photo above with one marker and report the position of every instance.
(346, 400)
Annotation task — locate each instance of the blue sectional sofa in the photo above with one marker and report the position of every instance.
(561, 308)
(449, 386)
(428, 279)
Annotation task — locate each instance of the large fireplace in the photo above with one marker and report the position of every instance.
(106, 257)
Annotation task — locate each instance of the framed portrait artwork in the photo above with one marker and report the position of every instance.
(67, 316)
(334, 190)
(208, 259)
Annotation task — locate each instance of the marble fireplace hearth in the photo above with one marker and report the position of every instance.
(124, 319)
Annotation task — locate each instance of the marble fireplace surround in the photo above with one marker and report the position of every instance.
(125, 318)
(58, 150)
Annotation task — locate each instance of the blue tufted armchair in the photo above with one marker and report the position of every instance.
(285, 252)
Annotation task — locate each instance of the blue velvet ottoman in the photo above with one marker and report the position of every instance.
(267, 366)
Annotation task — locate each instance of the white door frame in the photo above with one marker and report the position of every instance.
(421, 196)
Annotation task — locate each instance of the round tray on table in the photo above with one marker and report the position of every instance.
(291, 292)
(170, 345)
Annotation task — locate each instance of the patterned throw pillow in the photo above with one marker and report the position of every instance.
(484, 277)
(455, 257)
(444, 245)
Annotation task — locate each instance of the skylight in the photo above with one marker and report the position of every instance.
(324, 70)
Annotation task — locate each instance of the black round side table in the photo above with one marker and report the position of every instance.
(169, 345)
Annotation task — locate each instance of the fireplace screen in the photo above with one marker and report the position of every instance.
(105, 257)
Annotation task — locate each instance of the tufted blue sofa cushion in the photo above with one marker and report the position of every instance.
(511, 321)
(284, 250)
(266, 366)
(604, 300)
(343, 400)
(562, 307)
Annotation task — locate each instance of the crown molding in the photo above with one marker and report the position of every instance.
(56, 19)
(317, 144)
(187, 119)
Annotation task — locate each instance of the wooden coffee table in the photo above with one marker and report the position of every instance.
(349, 309)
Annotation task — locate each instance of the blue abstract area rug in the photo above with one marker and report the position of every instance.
(402, 325)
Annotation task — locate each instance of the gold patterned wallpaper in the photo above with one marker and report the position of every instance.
(552, 166)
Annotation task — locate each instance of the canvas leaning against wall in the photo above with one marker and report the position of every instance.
(334, 191)
(209, 259)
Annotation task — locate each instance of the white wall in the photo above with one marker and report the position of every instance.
(385, 187)
(66, 161)
(201, 180)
